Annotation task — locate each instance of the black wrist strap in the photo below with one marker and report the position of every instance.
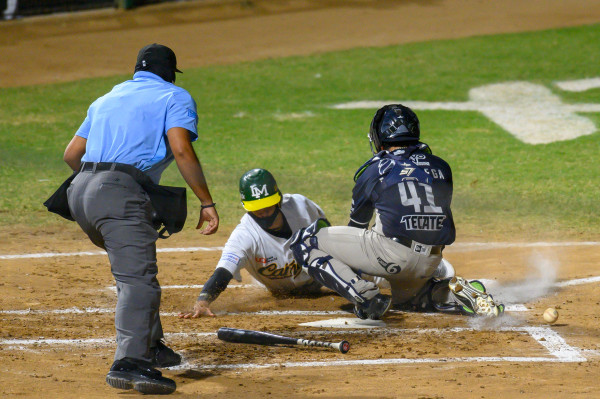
(215, 285)
(208, 206)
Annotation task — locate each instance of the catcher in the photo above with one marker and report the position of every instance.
(261, 242)
(409, 189)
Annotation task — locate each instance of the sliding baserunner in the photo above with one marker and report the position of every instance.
(261, 242)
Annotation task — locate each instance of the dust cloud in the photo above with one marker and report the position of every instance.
(539, 281)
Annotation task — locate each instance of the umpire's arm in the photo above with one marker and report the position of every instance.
(74, 152)
(191, 170)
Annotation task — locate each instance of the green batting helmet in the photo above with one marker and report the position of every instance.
(258, 190)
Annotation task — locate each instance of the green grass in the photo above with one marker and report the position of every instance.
(502, 186)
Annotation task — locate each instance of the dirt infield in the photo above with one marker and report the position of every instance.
(56, 312)
(58, 336)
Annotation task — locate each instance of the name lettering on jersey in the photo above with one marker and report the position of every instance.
(407, 171)
(423, 222)
(273, 272)
(436, 173)
(257, 192)
(418, 159)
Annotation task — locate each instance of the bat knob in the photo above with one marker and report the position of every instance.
(344, 346)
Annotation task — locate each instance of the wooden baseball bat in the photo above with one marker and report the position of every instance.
(237, 335)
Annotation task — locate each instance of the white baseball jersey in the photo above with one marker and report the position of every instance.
(266, 257)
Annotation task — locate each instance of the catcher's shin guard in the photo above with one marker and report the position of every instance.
(354, 290)
(305, 240)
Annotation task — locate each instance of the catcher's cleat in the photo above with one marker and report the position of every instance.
(139, 375)
(473, 299)
(373, 309)
(163, 356)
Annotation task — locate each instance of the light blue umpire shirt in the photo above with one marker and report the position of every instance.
(129, 124)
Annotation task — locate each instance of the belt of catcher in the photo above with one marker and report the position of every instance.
(418, 247)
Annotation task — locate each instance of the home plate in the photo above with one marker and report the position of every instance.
(344, 322)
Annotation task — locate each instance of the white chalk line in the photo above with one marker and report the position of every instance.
(95, 253)
(85, 341)
(557, 347)
(559, 284)
(578, 281)
(554, 343)
(111, 341)
(193, 286)
(77, 310)
(469, 246)
(375, 362)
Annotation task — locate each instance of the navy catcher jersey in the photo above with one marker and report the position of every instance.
(410, 190)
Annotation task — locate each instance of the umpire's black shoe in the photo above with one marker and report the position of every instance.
(373, 309)
(163, 356)
(139, 375)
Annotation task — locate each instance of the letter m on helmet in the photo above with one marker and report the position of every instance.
(259, 192)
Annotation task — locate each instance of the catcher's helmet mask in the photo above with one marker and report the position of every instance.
(393, 124)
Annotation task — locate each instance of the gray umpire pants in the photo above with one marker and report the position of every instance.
(115, 212)
(356, 251)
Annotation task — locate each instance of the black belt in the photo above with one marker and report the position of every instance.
(407, 242)
(168, 202)
(112, 166)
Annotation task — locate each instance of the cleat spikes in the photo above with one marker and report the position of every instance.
(473, 298)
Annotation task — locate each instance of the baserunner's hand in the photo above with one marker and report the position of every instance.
(200, 309)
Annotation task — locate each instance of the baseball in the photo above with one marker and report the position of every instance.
(550, 315)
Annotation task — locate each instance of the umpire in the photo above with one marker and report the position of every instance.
(129, 137)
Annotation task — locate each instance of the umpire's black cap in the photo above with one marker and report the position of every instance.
(157, 59)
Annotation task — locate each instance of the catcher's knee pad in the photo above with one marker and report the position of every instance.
(305, 240)
(354, 290)
(444, 271)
